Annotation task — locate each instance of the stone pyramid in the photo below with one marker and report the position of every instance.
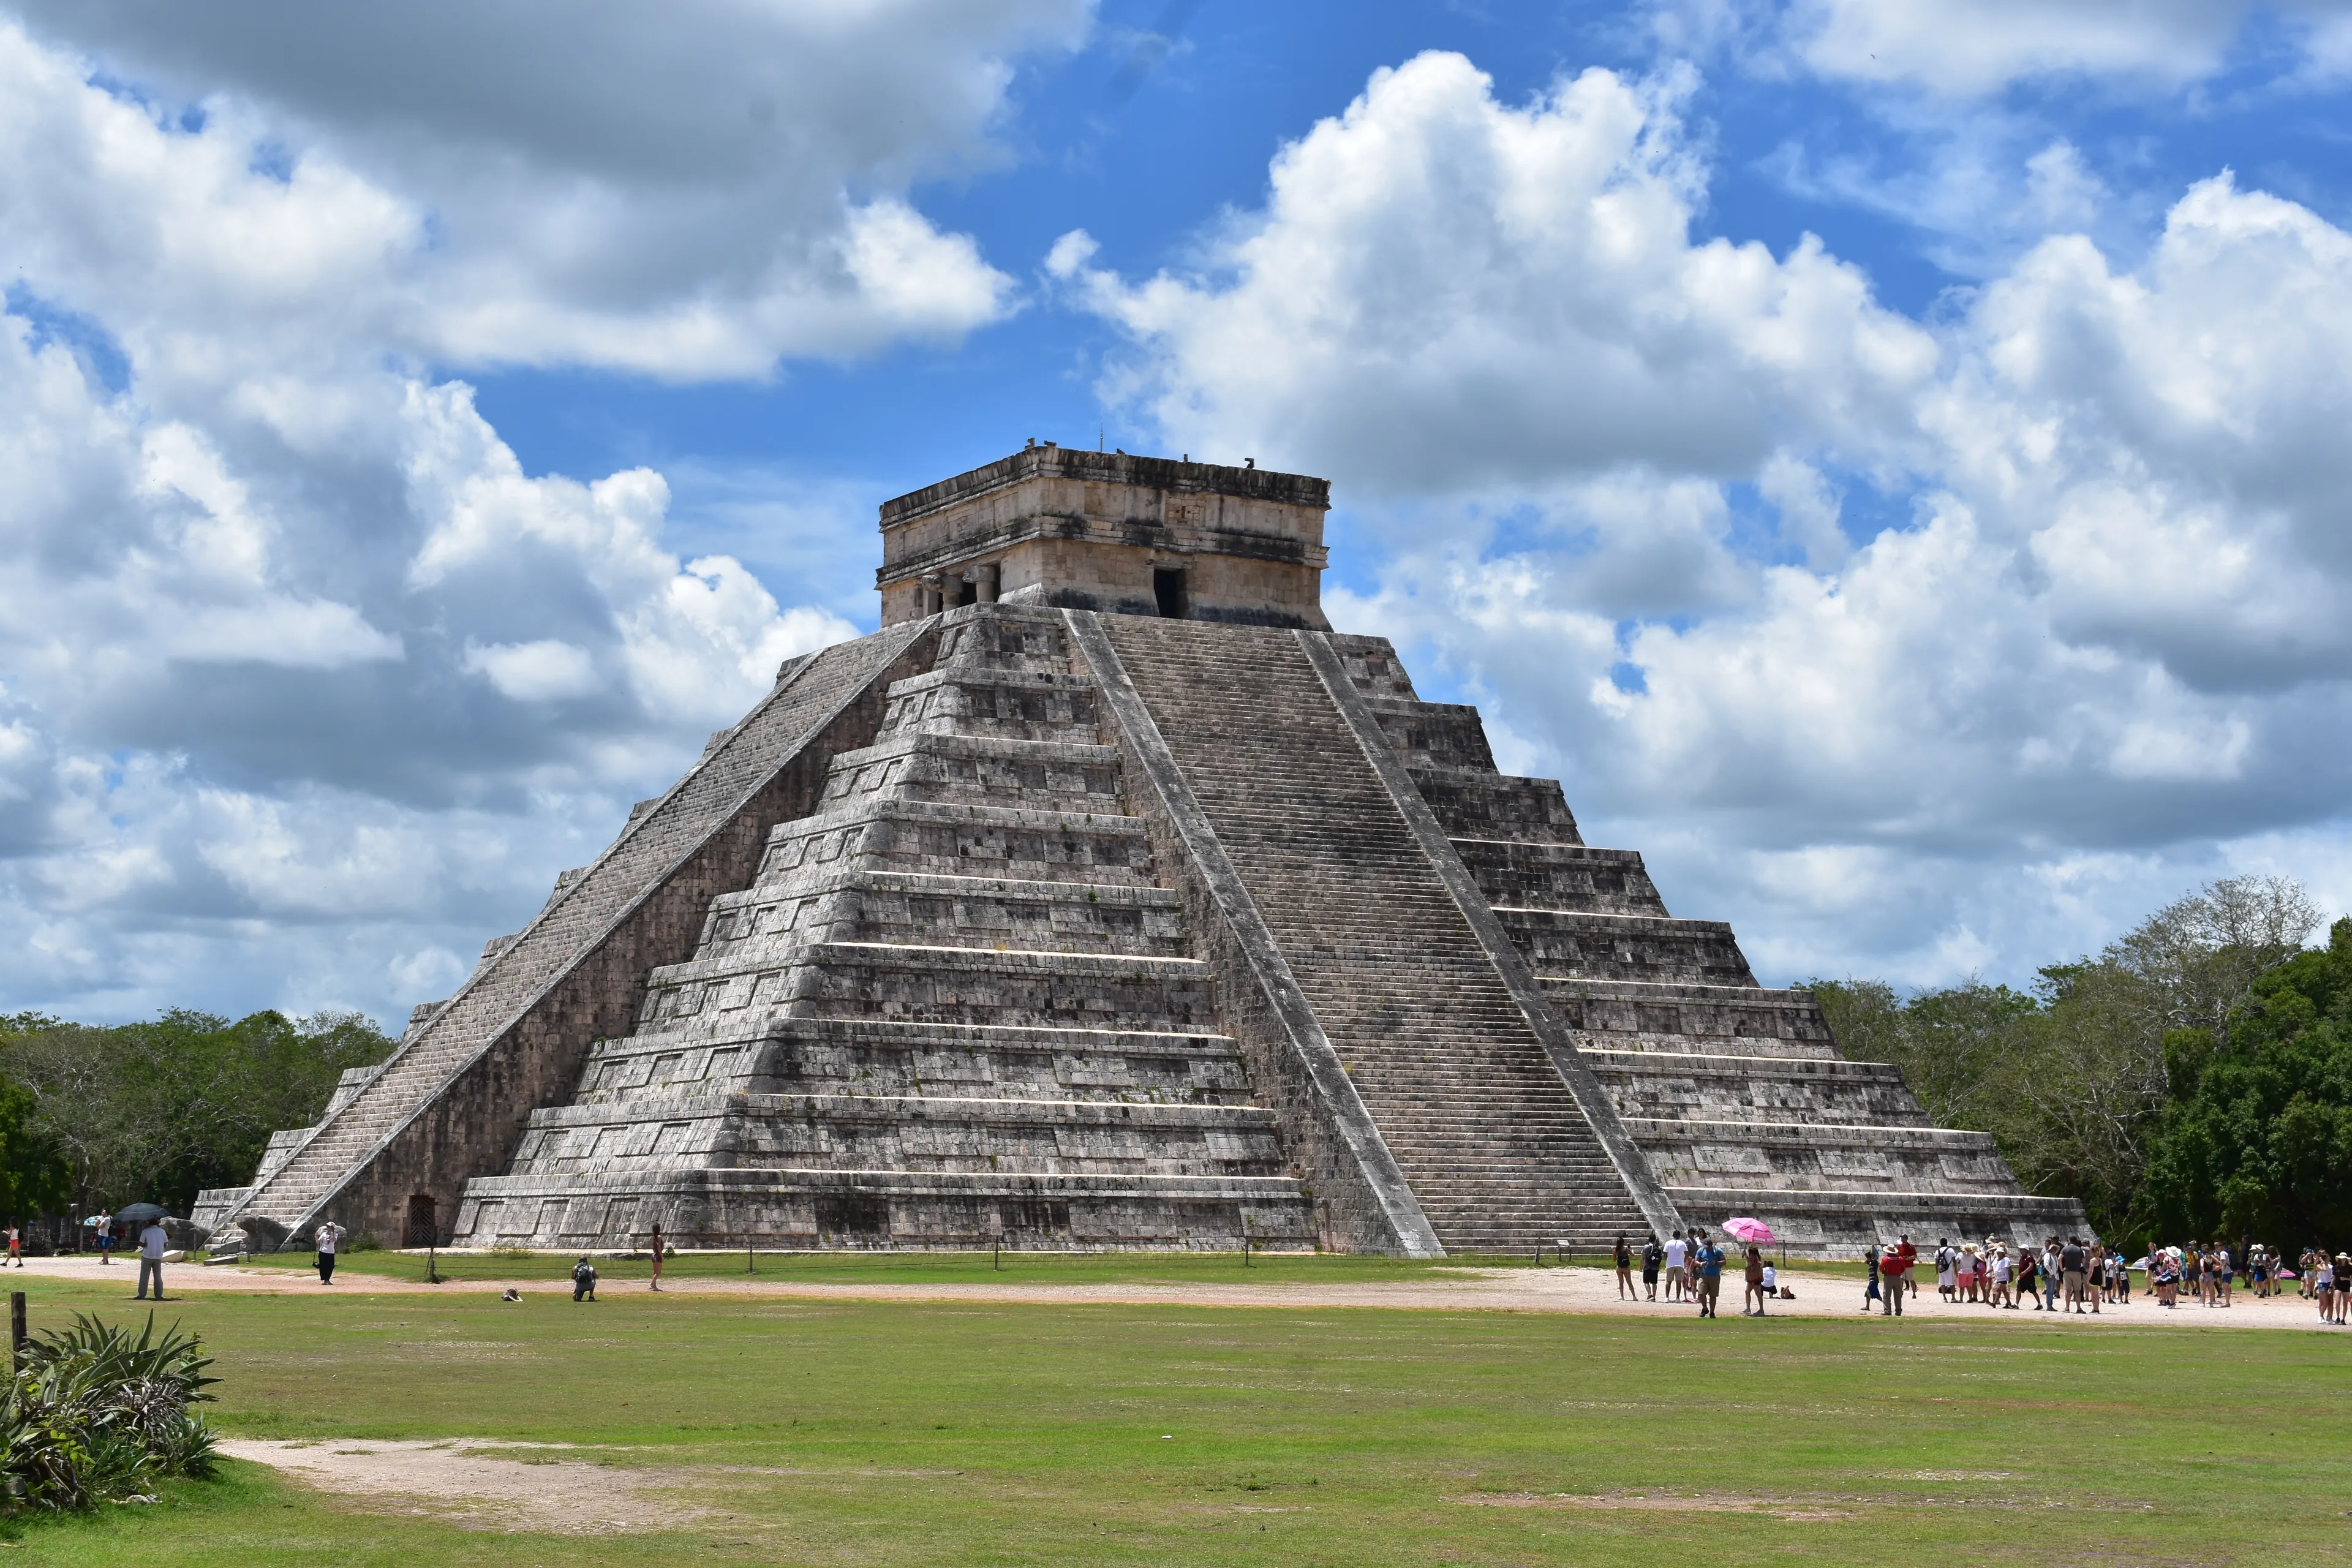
(1106, 897)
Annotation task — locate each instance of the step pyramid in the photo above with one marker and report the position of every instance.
(1106, 897)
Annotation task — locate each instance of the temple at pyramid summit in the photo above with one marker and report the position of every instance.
(1106, 897)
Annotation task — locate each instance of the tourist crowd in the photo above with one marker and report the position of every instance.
(2063, 1275)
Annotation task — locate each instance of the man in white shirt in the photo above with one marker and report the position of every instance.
(152, 1243)
(331, 1236)
(1677, 1251)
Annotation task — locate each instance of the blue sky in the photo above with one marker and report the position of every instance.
(1886, 458)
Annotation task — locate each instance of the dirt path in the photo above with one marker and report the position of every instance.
(1592, 1290)
(480, 1485)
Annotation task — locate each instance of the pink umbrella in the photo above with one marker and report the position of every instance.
(1754, 1230)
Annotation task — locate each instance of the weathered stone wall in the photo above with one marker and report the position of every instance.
(453, 1102)
(1049, 527)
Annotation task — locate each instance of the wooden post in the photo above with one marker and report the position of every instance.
(749, 1267)
(16, 1335)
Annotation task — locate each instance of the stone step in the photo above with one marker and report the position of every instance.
(980, 770)
(941, 985)
(856, 1210)
(1651, 948)
(974, 700)
(786, 1054)
(1677, 1018)
(902, 1132)
(1513, 874)
(1673, 1091)
(937, 839)
(1434, 734)
(947, 911)
(1475, 803)
(1373, 666)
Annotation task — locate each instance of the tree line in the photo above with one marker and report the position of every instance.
(97, 1117)
(2192, 1081)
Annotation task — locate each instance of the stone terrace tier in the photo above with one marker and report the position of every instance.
(954, 1004)
(1735, 1093)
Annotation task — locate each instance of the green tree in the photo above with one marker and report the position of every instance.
(2257, 1138)
(161, 1109)
(33, 1176)
(2075, 1080)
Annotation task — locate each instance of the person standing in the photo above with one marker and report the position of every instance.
(1651, 1255)
(331, 1236)
(657, 1254)
(2053, 1279)
(16, 1246)
(1870, 1288)
(2027, 1278)
(1624, 1258)
(1751, 1301)
(1678, 1259)
(152, 1243)
(2070, 1270)
(2001, 1269)
(1946, 1283)
(106, 1238)
(1891, 1270)
(1710, 1275)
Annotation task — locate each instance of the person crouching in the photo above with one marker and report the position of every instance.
(583, 1280)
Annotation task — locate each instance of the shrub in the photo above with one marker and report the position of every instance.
(96, 1416)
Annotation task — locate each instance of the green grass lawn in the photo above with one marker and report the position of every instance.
(914, 1267)
(915, 1433)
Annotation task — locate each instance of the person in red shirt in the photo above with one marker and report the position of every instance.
(1893, 1269)
(1910, 1254)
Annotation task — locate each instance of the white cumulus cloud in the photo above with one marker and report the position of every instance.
(1905, 642)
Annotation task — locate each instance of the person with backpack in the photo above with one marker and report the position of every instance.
(584, 1279)
(1651, 1255)
(2071, 1259)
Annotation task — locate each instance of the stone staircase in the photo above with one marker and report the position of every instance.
(1469, 1104)
(388, 1140)
(954, 1004)
(1734, 1092)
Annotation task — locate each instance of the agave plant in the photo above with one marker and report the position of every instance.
(94, 1415)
